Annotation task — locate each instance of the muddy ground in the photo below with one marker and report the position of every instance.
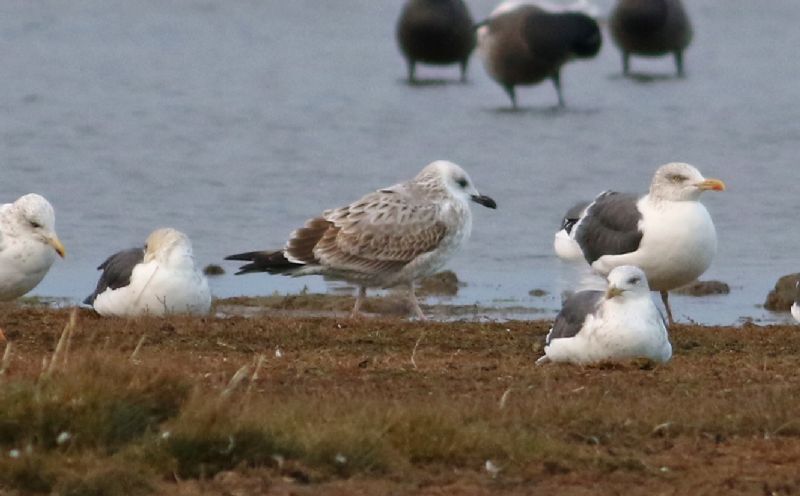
(455, 408)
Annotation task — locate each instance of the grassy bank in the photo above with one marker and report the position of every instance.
(332, 406)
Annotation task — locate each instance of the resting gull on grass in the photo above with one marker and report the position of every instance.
(390, 237)
(619, 323)
(157, 280)
(28, 244)
(668, 233)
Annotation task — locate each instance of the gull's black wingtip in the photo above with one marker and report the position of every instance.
(272, 262)
(248, 256)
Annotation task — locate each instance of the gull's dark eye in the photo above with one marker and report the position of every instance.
(34, 224)
(462, 181)
(677, 178)
(634, 280)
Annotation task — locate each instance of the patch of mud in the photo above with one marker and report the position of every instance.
(704, 288)
(782, 296)
(443, 283)
(213, 270)
(393, 304)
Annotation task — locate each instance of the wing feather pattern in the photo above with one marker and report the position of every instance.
(610, 226)
(117, 271)
(573, 215)
(383, 231)
(380, 233)
(570, 319)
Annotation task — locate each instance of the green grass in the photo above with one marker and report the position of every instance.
(97, 402)
(345, 404)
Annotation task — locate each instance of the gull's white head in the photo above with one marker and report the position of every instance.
(162, 242)
(627, 281)
(681, 182)
(455, 180)
(34, 216)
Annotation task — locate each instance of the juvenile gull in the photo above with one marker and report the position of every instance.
(391, 237)
(436, 32)
(523, 43)
(621, 322)
(157, 280)
(650, 28)
(28, 244)
(668, 233)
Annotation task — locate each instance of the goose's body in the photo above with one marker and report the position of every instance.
(651, 28)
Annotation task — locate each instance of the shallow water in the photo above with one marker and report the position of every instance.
(235, 121)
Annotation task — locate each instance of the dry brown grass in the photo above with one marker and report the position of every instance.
(388, 406)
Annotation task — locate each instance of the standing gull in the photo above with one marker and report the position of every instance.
(650, 28)
(436, 32)
(668, 233)
(621, 322)
(796, 305)
(157, 280)
(28, 244)
(391, 237)
(522, 43)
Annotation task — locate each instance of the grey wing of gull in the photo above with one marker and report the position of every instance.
(117, 271)
(573, 215)
(570, 319)
(610, 226)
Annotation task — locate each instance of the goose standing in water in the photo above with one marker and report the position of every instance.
(651, 28)
(524, 44)
(438, 32)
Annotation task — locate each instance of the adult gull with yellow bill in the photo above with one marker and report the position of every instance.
(668, 233)
(28, 244)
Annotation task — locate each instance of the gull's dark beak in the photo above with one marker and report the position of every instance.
(484, 200)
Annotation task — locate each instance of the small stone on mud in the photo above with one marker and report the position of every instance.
(537, 293)
(781, 297)
(704, 288)
(213, 270)
(443, 283)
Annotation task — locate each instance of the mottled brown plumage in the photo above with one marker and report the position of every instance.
(389, 237)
